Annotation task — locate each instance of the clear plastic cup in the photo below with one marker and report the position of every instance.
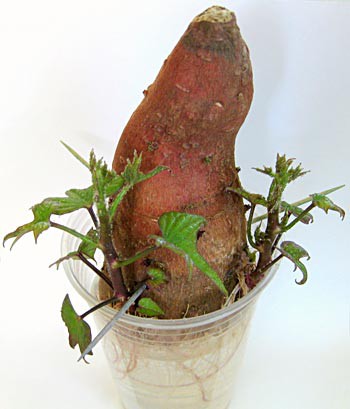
(188, 363)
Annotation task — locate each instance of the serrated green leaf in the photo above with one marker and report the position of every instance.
(131, 176)
(296, 211)
(41, 222)
(72, 255)
(294, 252)
(283, 175)
(79, 331)
(180, 235)
(113, 184)
(132, 173)
(284, 170)
(86, 248)
(157, 275)
(147, 306)
(266, 171)
(326, 204)
(75, 200)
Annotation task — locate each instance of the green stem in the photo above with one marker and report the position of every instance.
(279, 236)
(117, 200)
(137, 256)
(299, 202)
(298, 218)
(98, 306)
(75, 233)
(249, 227)
(105, 234)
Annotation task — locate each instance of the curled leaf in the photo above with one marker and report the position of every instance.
(72, 255)
(147, 306)
(297, 211)
(325, 203)
(79, 331)
(294, 252)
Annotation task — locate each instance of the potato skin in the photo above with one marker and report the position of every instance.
(188, 122)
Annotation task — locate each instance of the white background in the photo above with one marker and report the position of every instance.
(75, 70)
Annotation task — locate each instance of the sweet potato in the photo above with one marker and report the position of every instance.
(188, 121)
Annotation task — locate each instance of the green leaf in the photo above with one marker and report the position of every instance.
(324, 203)
(131, 176)
(79, 331)
(41, 222)
(148, 307)
(294, 252)
(76, 199)
(296, 211)
(180, 235)
(284, 170)
(113, 184)
(283, 174)
(266, 171)
(87, 248)
(132, 173)
(253, 198)
(157, 275)
(72, 255)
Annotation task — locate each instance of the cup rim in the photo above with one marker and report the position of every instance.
(128, 319)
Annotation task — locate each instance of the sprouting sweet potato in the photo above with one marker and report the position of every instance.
(188, 121)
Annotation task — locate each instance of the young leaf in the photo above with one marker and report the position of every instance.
(41, 222)
(132, 173)
(324, 203)
(157, 275)
(72, 255)
(113, 184)
(253, 198)
(297, 211)
(79, 331)
(131, 176)
(148, 307)
(301, 202)
(294, 252)
(87, 248)
(180, 235)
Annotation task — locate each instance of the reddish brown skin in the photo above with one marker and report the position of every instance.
(188, 121)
